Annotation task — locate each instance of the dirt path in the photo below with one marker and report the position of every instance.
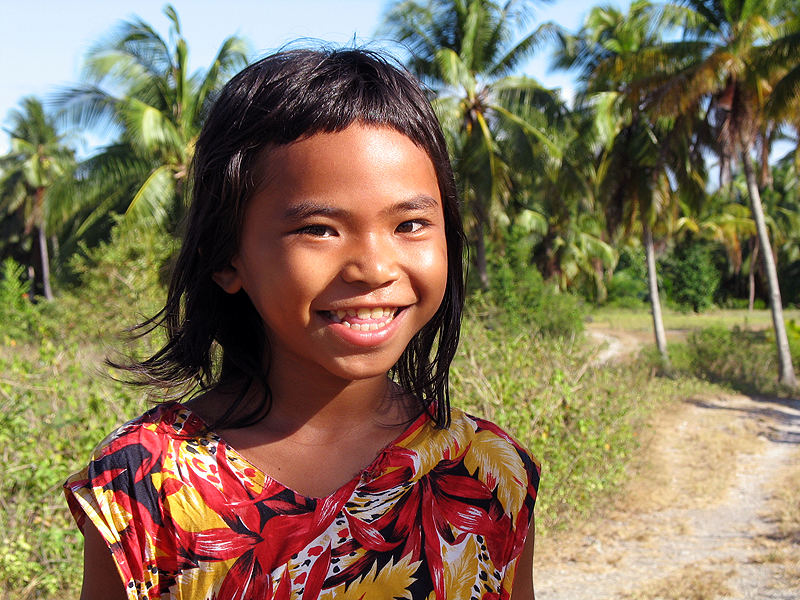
(701, 518)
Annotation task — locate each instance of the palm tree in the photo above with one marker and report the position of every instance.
(782, 57)
(465, 51)
(720, 62)
(37, 161)
(636, 168)
(572, 250)
(140, 85)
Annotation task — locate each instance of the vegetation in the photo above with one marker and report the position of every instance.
(29, 176)
(590, 209)
(570, 190)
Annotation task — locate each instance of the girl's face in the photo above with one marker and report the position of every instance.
(343, 251)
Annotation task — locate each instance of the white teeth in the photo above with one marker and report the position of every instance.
(385, 313)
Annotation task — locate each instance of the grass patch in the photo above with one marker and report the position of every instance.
(640, 319)
(787, 508)
(687, 583)
(745, 360)
(55, 406)
(785, 516)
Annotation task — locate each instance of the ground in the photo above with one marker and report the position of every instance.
(711, 511)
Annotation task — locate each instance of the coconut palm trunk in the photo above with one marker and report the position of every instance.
(42, 257)
(751, 277)
(480, 253)
(786, 370)
(655, 301)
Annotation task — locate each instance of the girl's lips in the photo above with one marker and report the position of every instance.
(365, 326)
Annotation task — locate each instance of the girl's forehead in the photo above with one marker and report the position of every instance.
(271, 151)
(332, 157)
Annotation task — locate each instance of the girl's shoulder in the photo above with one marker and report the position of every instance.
(488, 435)
(150, 433)
(487, 452)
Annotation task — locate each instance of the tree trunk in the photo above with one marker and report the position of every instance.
(751, 277)
(42, 258)
(655, 302)
(786, 369)
(480, 254)
(43, 262)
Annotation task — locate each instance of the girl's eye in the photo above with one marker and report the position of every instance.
(316, 231)
(411, 226)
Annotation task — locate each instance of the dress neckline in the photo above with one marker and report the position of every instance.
(196, 424)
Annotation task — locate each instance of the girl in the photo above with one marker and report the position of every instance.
(316, 302)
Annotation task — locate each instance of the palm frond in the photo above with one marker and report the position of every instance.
(152, 202)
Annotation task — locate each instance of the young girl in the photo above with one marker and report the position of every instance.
(316, 302)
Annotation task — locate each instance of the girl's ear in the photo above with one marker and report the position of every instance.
(228, 279)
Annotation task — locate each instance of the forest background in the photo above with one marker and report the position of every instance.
(663, 171)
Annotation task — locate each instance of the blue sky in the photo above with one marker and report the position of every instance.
(42, 42)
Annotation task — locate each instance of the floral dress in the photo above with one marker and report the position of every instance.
(440, 513)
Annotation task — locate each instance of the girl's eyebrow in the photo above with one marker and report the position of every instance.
(305, 210)
(308, 209)
(420, 202)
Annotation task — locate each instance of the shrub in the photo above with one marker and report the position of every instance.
(745, 360)
(17, 312)
(690, 276)
(628, 286)
(519, 297)
(577, 420)
(789, 278)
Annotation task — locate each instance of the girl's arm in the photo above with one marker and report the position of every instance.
(100, 576)
(523, 576)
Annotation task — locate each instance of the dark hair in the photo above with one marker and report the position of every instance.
(284, 97)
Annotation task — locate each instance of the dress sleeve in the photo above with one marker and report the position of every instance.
(116, 493)
(523, 518)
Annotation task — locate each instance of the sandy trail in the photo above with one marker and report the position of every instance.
(696, 521)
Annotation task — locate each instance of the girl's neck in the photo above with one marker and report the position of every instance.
(308, 403)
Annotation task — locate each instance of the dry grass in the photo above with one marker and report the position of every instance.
(687, 583)
(785, 506)
(692, 464)
(782, 548)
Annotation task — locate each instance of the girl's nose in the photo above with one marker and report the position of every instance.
(372, 261)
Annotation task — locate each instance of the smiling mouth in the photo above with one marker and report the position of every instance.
(363, 319)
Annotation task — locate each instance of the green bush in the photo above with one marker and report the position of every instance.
(789, 277)
(793, 333)
(745, 360)
(628, 286)
(690, 276)
(56, 404)
(130, 270)
(17, 312)
(519, 297)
